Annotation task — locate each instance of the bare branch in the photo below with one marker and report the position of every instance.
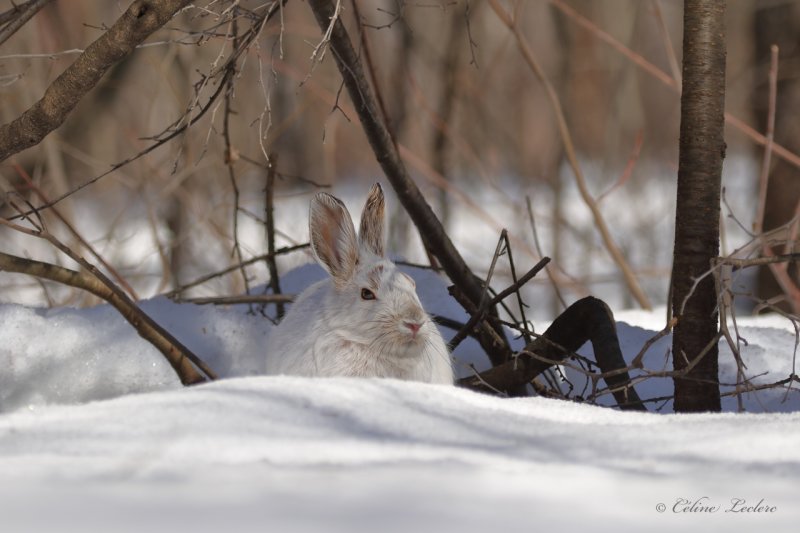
(758, 261)
(666, 79)
(18, 16)
(86, 244)
(569, 148)
(187, 119)
(199, 281)
(269, 203)
(548, 271)
(483, 305)
(278, 299)
(141, 19)
(586, 319)
(758, 223)
(178, 356)
(430, 228)
(231, 154)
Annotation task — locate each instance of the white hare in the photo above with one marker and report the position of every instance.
(366, 319)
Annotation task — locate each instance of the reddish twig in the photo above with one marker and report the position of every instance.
(666, 79)
(616, 254)
(114, 273)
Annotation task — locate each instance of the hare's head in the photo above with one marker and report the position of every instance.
(378, 304)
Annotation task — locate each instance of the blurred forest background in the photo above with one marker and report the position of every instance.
(473, 123)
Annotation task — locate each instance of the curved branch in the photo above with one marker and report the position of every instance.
(588, 319)
(183, 123)
(141, 19)
(179, 356)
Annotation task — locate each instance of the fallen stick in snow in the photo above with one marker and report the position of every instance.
(179, 356)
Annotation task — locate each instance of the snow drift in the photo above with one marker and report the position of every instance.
(96, 434)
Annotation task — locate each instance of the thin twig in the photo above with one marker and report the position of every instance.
(758, 261)
(430, 228)
(514, 279)
(318, 54)
(269, 208)
(569, 148)
(40, 193)
(178, 355)
(249, 299)
(479, 313)
(174, 130)
(725, 297)
(203, 279)
(231, 156)
(637, 361)
(758, 222)
(18, 16)
(133, 27)
(780, 151)
(482, 304)
(674, 65)
(553, 283)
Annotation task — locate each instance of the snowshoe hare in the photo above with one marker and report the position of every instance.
(366, 319)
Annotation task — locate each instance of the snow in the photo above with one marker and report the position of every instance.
(768, 349)
(97, 434)
(292, 454)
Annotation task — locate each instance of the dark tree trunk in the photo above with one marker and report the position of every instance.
(779, 24)
(702, 149)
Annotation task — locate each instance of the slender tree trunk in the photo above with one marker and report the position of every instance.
(448, 96)
(779, 24)
(702, 148)
(400, 227)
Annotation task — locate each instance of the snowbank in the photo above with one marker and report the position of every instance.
(293, 454)
(78, 355)
(96, 434)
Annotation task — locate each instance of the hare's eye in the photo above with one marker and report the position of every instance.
(367, 294)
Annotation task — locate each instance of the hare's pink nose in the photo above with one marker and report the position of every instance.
(413, 326)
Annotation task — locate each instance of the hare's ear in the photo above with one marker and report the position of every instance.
(371, 232)
(333, 237)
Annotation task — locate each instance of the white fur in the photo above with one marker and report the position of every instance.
(332, 331)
